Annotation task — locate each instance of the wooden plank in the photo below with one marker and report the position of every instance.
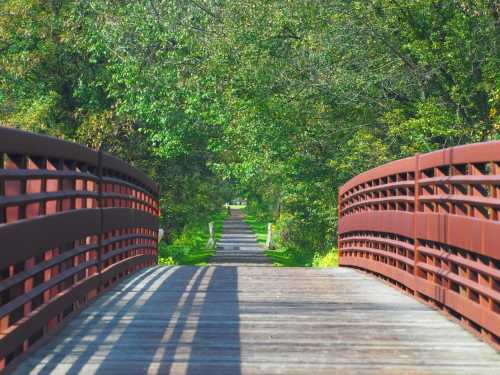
(238, 317)
(260, 320)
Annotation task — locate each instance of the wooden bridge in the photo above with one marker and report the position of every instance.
(81, 293)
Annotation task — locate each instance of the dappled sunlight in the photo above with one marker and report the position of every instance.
(167, 319)
(89, 319)
(175, 334)
(215, 187)
(246, 320)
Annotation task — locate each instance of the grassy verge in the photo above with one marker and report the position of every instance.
(237, 206)
(285, 257)
(258, 226)
(190, 248)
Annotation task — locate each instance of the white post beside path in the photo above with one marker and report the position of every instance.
(211, 239)
(269, 242)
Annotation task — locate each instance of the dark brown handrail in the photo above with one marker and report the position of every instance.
(430, 224)
(73, 221)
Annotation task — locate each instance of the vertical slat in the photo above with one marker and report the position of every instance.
(416, 242)
(100, 205)
(339, 215)
(2, 187)
(495, 170)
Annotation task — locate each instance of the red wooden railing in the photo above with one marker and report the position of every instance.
(73, 221)
(430, 224)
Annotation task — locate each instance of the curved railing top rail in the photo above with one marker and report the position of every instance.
(20, 142)
(391, 168)
(119, 166)
(472, 153)
(73, 221)
(431, 225)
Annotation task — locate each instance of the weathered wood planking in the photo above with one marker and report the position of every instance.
(239, 320)
(260, 320)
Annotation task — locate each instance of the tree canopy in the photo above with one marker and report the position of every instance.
(278, 101)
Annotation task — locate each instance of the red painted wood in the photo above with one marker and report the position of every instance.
(453, 225)
(40, 179)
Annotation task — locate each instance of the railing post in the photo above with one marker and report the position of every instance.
(415, 212)
(161, 232)
(339, 208)
(101, 212)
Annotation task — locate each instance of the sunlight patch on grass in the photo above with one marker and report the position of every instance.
(283, 257)
(329, 259)
(237, 206)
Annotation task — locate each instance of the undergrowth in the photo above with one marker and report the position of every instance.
(190, 247)
(287, 257)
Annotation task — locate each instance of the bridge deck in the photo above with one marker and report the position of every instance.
(259, 320)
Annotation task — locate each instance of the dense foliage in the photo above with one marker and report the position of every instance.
(280, 101)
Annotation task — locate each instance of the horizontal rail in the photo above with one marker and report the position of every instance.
(430, 224)
(37, 320)
(73, 221)
(30, 237)
(18, 142)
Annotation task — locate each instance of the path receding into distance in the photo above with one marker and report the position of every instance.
(238, 244)
(255, 319)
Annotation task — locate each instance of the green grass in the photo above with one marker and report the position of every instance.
(190, 248)
(237, 206)
(259, 227)
(285, 257)
(328, 259)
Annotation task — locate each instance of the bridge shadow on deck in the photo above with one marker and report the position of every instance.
(179, 320)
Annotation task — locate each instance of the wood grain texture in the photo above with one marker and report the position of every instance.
(249, 319)
(260, 320)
